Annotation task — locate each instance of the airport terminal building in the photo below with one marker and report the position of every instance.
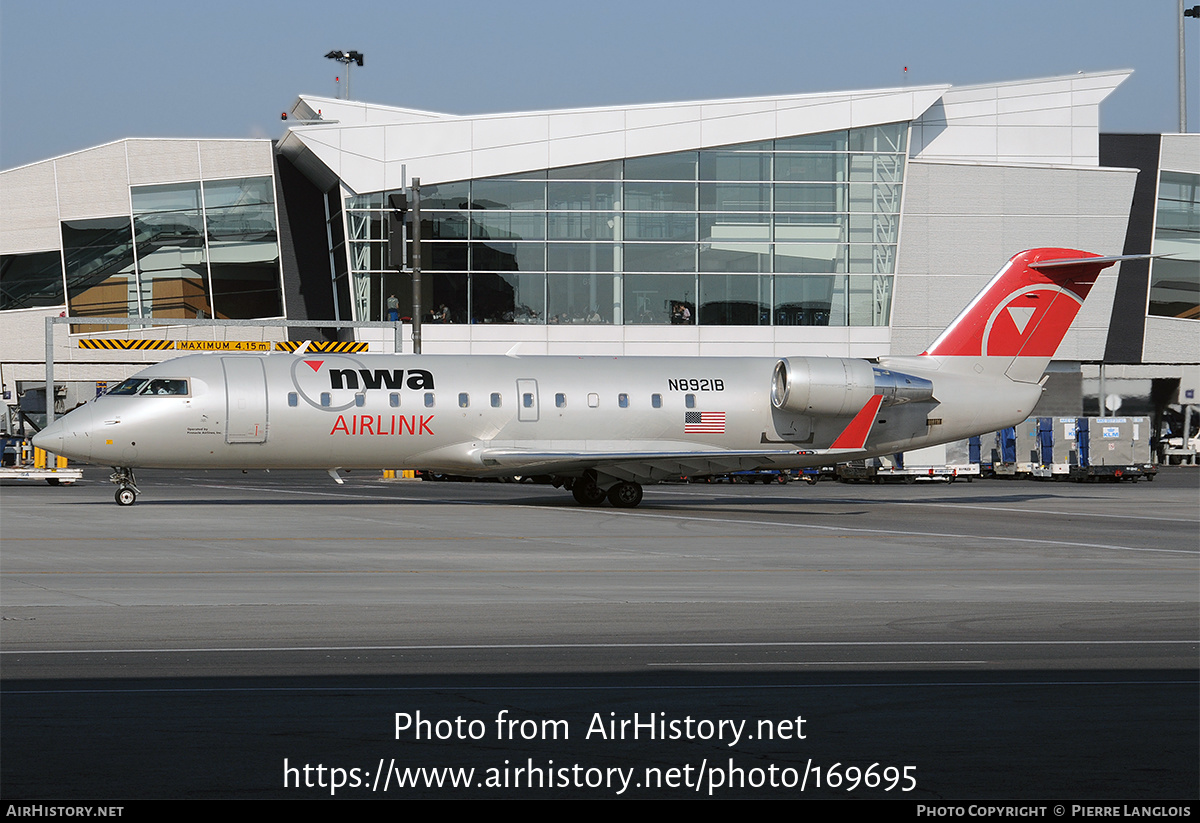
(846, 224)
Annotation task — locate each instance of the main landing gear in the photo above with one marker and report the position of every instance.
(624, 495)
(127, 490)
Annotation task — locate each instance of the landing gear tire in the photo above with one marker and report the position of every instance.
(125, 497)
(625, 495)
(586, 493)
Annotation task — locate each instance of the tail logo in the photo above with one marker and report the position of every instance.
(1028, 315)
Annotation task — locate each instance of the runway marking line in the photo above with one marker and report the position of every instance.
(787, 644)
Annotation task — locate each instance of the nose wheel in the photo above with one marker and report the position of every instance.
(127, 490)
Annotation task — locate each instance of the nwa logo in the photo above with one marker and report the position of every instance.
(379, 378)
(331, 383)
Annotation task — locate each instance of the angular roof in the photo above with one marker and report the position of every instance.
(371, 148)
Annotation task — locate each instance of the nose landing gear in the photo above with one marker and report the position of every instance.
(127, 490)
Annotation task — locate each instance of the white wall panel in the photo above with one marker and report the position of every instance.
(813, 119)
(590, 148)
(488, 133)
(661, 139)
(585, 123)
(29, 209)
(93, 183)
(641, 117)
(962, 222)
(236, 158)
(509, 159)
(1169, 340)
(163, 161)
(1180, 152)
(744, 128)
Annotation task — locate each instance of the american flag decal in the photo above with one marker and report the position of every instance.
(704, 422)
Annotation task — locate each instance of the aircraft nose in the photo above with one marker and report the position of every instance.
(69, 436)
(51, 437)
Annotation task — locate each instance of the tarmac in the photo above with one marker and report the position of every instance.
(269, 635)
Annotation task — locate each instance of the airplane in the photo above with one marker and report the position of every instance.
(602, 427)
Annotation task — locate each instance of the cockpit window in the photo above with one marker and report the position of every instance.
(152, 386)
(160, 385)
(129, 386)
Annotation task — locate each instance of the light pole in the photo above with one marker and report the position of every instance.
(1194, 11)
(346, 58)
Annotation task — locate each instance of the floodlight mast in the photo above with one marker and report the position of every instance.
(346, 58)
(1194, 11)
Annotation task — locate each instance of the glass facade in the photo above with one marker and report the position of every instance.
(31, 281)
(188, 250)
(796, 231)
(1175, 280)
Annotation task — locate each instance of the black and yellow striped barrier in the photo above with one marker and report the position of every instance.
(315, 346)
(126, 344)
(324, 346)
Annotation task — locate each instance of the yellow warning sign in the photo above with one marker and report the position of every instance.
(222, 345)
(314, 346)
(179, 345)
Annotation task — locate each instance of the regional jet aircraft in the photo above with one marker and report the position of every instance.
(601, 427)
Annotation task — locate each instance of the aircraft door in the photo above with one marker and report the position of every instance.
(245, 400)
(527, 401)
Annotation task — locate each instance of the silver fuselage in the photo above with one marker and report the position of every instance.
(477, 415)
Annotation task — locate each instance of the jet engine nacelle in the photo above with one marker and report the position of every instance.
(840, 386)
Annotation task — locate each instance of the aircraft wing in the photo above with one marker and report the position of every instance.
(654, 465)
(638, 466)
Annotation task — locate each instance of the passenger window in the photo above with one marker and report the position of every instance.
(464, 400)
(690, 401)
(593, 400)
(360, 400)
(495, 400)
(656, 401)
(293, 399)
(326, 399)
(560, 400)
(394, 399)
(623, 401)
(527, 400)
(429, 400)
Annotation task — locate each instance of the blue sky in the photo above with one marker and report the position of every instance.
(78, 73)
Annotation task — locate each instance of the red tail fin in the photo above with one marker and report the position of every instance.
(1027, 308)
